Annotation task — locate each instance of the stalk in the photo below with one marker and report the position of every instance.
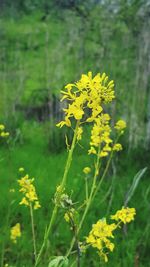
(88, 201)
(93, 193)
(62, 184)
(33, 232)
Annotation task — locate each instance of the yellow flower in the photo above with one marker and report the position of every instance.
(87, 93)
(15, 232)
(99, 237)
(92, 150)
(103, 154)
(2, 127)
(120, 125)
(29, 192)
(37, 205)
(87, 170)
(124, 215)
(79, 133)
(117, 147)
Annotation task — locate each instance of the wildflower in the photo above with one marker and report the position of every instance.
(87, 93)
(120, 125)
(100, 135)
(99, 237)
(103, 154)
(124, 215)
(117, 147)
(15, 232)
(87, 170)
(92, 150)
(29, 192)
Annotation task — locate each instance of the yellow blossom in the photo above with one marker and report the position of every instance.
(103, 154)
(87, 93)
(29, 192)
(99, 237)
(87, 170)
(124, 215)
(117, 147)
(15, 232)
(120, 125)
(92, 150)
(79, 133)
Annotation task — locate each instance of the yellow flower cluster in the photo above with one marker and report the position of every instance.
(15, 232)
(89, 92)
(99, 237)
(101, 233)
(2, 131)
(124, 215)
(117, 147)
(100, 136)
(29, 192)
(120, 125)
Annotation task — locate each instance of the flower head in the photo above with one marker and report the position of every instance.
(120, 125)
(15, 232)
(99, 237)
(124, 215)
(29, 193)
(87, 170)
(87, 93)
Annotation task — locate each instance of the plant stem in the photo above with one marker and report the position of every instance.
(33, 231)
(62, 184)
(88, 202)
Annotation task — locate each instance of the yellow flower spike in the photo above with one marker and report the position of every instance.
(29, 193)
(87, 170)
(99, 237)
(89, 92)
(124, 215)
(15, 232)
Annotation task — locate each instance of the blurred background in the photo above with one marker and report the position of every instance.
(47, 44)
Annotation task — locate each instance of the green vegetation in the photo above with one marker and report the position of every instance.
(43, 47)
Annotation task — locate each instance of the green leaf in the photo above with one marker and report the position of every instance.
(59, 261)
(134, 185)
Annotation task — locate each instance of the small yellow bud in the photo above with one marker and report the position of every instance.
(87, 170)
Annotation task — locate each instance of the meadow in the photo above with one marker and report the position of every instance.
(44, 46)
(47, 168)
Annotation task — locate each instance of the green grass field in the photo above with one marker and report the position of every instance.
(47, 168)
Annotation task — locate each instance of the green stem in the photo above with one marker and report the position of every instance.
(33, 231)
(88, 202)
(62, 184)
